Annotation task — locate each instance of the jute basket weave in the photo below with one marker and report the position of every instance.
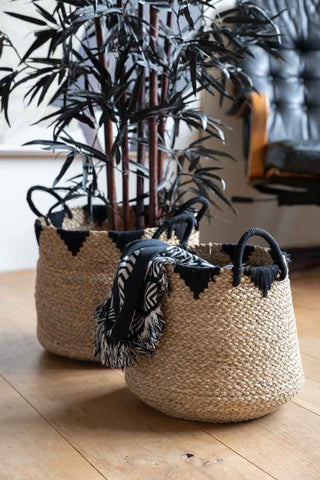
(231, 355)
(77, 262)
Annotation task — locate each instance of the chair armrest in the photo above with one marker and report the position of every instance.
(255, 106)
(259, 111)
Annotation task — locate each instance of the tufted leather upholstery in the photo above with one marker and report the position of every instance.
(292, 84)
(301, 157)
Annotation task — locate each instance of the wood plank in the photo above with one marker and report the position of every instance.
(94, 410)
(30, 449)
(311, 367)
(126, 439)
(286, 443)
(305, 291)
(123, 438)
(309, 397)
(310, 346)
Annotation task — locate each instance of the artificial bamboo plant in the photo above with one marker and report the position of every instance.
(132, 70)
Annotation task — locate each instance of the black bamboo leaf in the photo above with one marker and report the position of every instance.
(41, 38)
(104, 84)
(45, 14)
(25, 18)
(187, 14)
(65, 166)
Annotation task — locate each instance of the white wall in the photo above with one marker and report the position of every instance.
(18, 246)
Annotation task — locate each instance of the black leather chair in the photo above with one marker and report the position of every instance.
(282, 123)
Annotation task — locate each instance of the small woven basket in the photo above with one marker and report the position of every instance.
(232, 354)
(77, 262)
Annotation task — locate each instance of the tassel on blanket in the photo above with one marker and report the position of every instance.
(130, 321)
(144, 337)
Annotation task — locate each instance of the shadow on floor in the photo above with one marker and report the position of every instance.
(112, 409)
(115, 410)
(57, 362)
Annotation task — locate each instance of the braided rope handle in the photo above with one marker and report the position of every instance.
(52, 192)
(182, 218)
(205, 206)
(276, 254)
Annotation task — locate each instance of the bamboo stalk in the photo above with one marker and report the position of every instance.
(108, 141)
(125, 165)
(153, 128)
(164, 96)
(125, 180)
(140, 220)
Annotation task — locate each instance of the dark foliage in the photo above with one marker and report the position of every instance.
(126, 68)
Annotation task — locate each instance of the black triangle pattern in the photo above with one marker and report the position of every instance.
(57, 218)
(74, 239)
(229, 249)
(263, 276)
(121, 239)
(197, 278)
(99, 213)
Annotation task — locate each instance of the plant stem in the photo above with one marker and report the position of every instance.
(125, 179)
(108, 141)
(153, 128)
(125, 162)
(164, 95)
(140, 220)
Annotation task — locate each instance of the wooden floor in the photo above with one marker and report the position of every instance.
(61, 419)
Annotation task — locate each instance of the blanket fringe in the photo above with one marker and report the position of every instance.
(124, 353)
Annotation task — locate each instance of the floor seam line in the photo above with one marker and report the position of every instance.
(52, 426)
(239, 454)
(305, 408)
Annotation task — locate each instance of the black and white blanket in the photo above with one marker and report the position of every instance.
(130, 320)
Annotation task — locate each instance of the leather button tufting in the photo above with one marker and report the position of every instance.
(292, 85)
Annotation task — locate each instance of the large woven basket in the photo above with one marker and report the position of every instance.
(230, 355)
(77, 262)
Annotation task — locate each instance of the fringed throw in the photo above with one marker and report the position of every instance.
(130, 320)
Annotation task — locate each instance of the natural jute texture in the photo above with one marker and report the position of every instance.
(69, 287)
(229, 356)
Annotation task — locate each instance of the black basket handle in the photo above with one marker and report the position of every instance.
(205, 206)
(52, 192)
(186, 217)
(276, 254)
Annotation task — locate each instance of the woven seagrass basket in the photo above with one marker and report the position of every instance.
(232, 354)
(77, 262)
